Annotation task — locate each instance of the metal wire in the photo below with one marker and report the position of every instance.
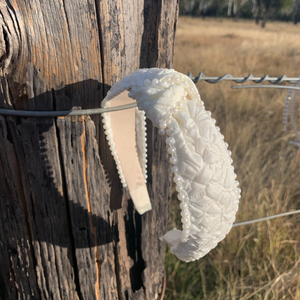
(236, 87)
(282, 214)
(250, 77)
(266, 218)
(62, 113)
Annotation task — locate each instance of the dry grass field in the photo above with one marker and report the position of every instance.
(259, 261)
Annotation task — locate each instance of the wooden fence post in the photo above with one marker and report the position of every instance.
(67, 229)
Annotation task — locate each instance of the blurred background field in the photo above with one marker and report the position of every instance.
(259, 261)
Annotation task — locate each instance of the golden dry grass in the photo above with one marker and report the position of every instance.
(259, 261)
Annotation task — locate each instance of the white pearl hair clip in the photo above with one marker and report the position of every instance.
(204, 177)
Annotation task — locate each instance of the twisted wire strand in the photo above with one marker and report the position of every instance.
(63, 113)
(266, 218)
(250, 77)
(237, 87)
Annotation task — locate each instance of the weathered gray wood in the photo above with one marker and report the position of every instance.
(67, 229)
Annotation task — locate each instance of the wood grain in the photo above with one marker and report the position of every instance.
(67, 229)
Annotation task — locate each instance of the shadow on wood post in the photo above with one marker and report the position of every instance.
(67, 229)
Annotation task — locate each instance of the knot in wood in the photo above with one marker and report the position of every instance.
(10, 37)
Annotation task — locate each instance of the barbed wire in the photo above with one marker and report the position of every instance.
(250, 77)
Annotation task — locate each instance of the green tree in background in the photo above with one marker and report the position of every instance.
(296, 12)
(260, 10)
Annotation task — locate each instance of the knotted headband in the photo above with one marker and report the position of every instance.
(204, 177)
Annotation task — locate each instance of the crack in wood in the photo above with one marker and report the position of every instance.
(101, 46)
(117, 264)
(93, 228)
(65, 194)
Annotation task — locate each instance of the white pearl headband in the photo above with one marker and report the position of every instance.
(204, 177)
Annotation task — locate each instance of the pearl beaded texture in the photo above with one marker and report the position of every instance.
(201, 164)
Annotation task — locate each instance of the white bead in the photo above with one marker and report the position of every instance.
(179, 188)
(171, 150)
(179, 104)
(183, 205)
(229, 152)
(170, 141)
(173, 160)
(174, 170)
(184, 214)
(132, 83)
(155, 81)
(186, 232)
(209, 113)
(147, 82)
(185, 227)
(181, 197)
(161, 132)
(185, 220)
(162, 124)
(177, 179)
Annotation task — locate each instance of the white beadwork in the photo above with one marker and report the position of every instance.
(141, 139)
(204, 177)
